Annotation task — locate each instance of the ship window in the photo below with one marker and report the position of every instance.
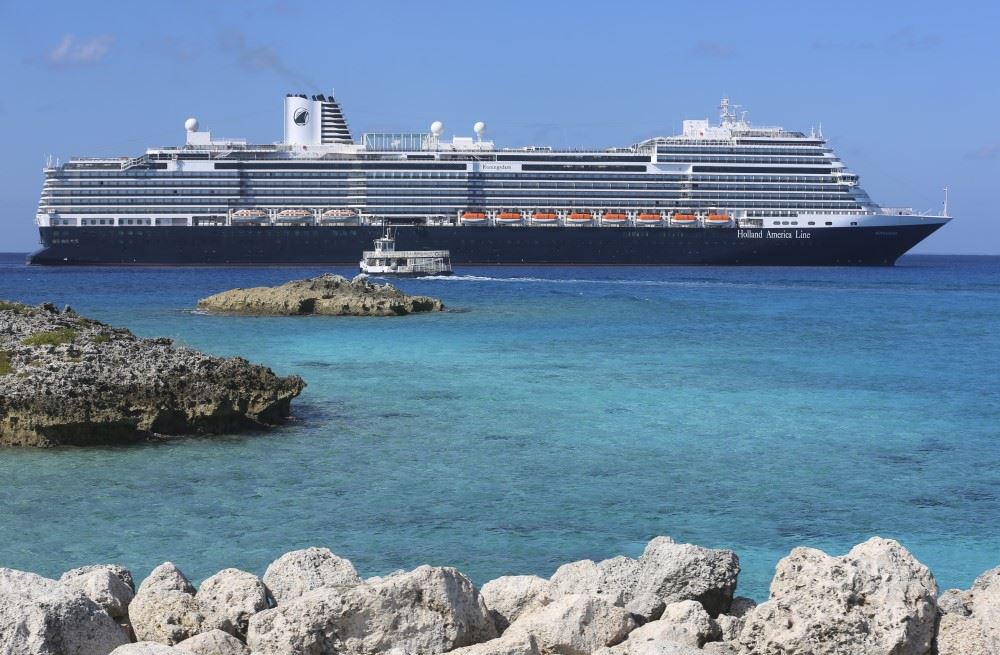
(102, 221)
(829, 222)
(854, 222)
(812, 222)
(795, 222)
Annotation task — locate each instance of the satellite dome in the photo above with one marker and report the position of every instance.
(437, 128)
(479, 128)
(191, 125)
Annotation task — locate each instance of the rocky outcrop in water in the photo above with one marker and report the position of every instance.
(69, 380)
(327, 295)
(876, 600)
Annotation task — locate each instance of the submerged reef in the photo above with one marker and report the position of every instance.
(327, 295)
(70, 380)
(675, 599)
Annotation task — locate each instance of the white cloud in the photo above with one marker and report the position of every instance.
(73, 51)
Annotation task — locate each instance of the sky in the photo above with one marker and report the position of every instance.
(907, 93)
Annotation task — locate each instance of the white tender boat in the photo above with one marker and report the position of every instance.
(386, 260)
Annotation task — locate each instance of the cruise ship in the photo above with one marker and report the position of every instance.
(729, 193)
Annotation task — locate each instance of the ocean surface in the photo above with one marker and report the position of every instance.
(553, 414)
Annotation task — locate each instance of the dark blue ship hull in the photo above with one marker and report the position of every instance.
(265, 245)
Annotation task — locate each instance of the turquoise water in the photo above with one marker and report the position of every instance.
(555, 414)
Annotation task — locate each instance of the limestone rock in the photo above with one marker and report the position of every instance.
(39, 616)
(213, 642)
(229, 598)
(676, 572)
(574, 624)
(117, 570)
(516, 643)
(69, 380)
(877, 599)
(329, 295)
(962, 635)
(669, 571)
(105, 585)
(166, 617)
(428, 610)
(301, 571)
(685, 623)
(718, 648)
(954, 601)
(645, 607)
(612, 579)
(166, 577)
(510, 596)
(144, 648)
(730, 626)
(985, 605)
(731, 623)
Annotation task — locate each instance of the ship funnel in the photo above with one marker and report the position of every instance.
(313, 121)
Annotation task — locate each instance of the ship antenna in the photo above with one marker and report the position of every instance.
(944, 210)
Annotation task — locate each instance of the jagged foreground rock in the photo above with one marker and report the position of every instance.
(69, 380)
(328, 295)
(676, 599)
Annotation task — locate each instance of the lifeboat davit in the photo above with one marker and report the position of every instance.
(338, 215)
(545, 218)
(474, 218)
(580, 218)
(508, 218)
(249, 216)
(718, 219)
(648, 218)
(294, 216)
(614, 218)
(683, 219)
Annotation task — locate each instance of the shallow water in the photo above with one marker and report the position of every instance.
(556, 414)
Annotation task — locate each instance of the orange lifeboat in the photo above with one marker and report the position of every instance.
(683, 219)
(509, 217)
(475, 218)
(717, 219)
(544, 217)
(614, 217)
(649, 217)
(580, 217)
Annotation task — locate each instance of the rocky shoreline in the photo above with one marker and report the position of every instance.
(326, 295)
(70, 380)
(675, 599)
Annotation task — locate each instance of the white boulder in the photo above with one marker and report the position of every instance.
(985, 605)
(685, 623)
(516, 643)
(877, 599)
(574, 624)
(229, 598)
(39, 616)
(144, 648)
(213, 642)
(676, 572)
(645, 607)
(301, 571)
(510, 596)
(166, 617)
(954, 601)
(105, 585)
(428, 610)
(166, 577)
(962, 635)
(669, 571)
